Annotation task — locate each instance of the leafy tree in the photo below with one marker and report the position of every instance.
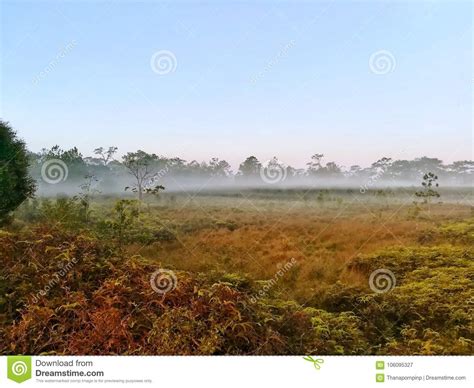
(250, 167)
(15, 183)
(72, 156)
(76, 167)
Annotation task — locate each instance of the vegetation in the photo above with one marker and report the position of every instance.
(15, 183)
(429, 183)
(223, 256)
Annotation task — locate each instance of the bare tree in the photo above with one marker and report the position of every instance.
(142, 166)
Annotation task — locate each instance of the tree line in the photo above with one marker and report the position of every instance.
(139, 171)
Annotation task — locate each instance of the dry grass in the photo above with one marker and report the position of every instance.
(258, 240)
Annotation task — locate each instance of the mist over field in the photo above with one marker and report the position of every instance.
(67, 170)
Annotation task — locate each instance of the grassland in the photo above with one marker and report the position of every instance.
(258, 272)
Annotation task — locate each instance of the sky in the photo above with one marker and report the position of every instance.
(355, 81)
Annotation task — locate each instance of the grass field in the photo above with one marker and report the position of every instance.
(256, 272)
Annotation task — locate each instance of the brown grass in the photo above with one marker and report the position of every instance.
(321, 239)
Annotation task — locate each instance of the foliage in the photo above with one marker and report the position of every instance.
(105, 305)
(428, 311)
(15, 184)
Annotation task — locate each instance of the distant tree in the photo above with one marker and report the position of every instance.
(274, 171)
(176, 166)
(403, 170)
(76, 167)
(462, 167)
(142, 166)
(381, 166)
(106, 155)
(354, 171)
(462, 171)
(332, 169)
(15, 183)
(219, 168)
(72, 156)
(250, 167)
(424, 163)
(429, 181)
(315, 164)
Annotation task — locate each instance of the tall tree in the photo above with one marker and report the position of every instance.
(15, 183)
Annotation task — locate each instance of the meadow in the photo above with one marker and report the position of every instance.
(254, 271)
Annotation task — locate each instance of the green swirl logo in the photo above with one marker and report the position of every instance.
(19, 368)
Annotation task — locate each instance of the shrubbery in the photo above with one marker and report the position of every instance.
(104, 304)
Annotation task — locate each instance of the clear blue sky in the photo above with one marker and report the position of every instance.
(288, 79)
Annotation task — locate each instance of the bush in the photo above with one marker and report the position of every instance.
(15, 183)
